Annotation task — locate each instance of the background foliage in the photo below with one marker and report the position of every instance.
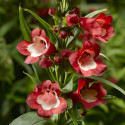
(15, 85)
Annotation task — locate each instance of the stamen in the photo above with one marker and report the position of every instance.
(86, 53)
(41, 41)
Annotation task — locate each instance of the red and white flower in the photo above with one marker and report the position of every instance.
(88, 96)
(46, 100)
(85, 61)
(98, 27)
(39, 46)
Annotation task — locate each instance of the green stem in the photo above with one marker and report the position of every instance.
(49, 74)
(33, 66)
(52, 75)
(56, 71)
(66, 74)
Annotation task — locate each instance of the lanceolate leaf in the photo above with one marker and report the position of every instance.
(45, 24)
(101, 54)
(31, 118)
(22, 25)
(71, 40)
(35, 81)
(90, 15)
(6, 27)
(108, 83)
(109, 97)
(68, 87)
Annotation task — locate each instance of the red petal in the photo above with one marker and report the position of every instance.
(62, 106)
(101, 91)
(96, 49)
(109, 32)
(46, 62)
(81, 83)
(35, 32)
(74, 59)
(90, 25)
(44, 113)
(72, 20)
(93, 104)
(51, 86)
(88, 37)
(108, 19)
(100, 69)
(100, 16)
(22, 47)
(31, 100)
(86, 73)
(42, 32)
(50, 47)
(38, 88)
(31, 60)
(74, 96)
(101, 39)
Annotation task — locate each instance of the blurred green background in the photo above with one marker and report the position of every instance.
(15, 85)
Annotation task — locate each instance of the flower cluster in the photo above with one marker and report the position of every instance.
(83, 61)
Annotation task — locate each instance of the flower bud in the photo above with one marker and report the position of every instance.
(76, 11)
(58, 59)
(46, 62)
(66, 53)
(56, 30)
(52, 11)
(63, 34)
(72, 20)
(43, 12)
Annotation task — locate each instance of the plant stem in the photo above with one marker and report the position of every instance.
(52, 74)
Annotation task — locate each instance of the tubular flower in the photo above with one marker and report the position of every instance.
(52, 11)
(46, 100)
(85, 61)
(76, 11)
(99, 27)
(39, 46)
(72, 20)
(88, 96)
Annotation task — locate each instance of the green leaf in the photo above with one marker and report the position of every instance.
(34, 80)
(31, 118)
(72, 38)
(68, 87)
(70, 103)
(108, 83)
(109, 97)
(6, 27)
(23, 24)
(104, 107)
(72, 114)
(118, 102)
(91, 83)
(45, 24)
(101, 54)
(90, 15)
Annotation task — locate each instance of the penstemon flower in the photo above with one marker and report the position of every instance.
(39, 46)
(72, 54)
(85, 60)
(98, 27)
(46, 100)
(88, 96)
